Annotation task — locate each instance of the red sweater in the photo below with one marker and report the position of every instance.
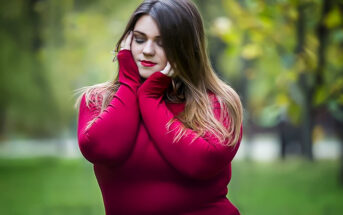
(138, 168)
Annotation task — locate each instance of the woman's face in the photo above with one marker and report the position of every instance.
(146, 47)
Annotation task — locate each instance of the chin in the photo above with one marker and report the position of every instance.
(145, 74)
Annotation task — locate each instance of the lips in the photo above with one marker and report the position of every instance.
(147, 63)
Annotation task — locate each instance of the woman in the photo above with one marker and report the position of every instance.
(162, 135)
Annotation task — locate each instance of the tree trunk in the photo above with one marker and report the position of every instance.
(307, 121)
(339, 126)
(3, 109)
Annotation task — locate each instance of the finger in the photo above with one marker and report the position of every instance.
(128, 41)
(166, 69)
(171, 72)
(122, 44)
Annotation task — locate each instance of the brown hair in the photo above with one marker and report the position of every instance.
(183, 39)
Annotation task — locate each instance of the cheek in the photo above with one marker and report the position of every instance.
(163, 58)
(135, 51)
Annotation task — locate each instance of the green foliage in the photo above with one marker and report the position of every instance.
(261, 39)
(25, 92)
(49, 49)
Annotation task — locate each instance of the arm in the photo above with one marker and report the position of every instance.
(110, 139)
(202, 159)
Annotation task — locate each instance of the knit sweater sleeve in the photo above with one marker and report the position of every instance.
(202, 159)
(110, 138)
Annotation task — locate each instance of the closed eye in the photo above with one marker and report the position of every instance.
(139, 40)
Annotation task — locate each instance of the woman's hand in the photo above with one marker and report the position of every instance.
(126, 42)
(128, 70)
(168, 71)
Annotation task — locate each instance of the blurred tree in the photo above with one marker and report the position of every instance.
(49, 49)
(284, 46)
(27, 103)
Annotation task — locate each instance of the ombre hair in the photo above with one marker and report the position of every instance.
(183, 37)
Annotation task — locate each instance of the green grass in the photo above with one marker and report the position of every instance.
(291, 187)
(68, 187)
(48, 186)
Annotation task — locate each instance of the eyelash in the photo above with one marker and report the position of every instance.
(140, 41)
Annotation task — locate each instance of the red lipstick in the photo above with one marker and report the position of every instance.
(147, 63)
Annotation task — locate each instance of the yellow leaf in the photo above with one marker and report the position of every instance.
(320, 95)
(282, 100)
(294, 112)
(333, 19)
(251, 51)
(340, 99)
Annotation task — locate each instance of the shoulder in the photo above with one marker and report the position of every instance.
(214, 99)
(219, 107)
(92, 100)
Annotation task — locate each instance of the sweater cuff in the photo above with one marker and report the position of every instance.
(124, 52)
(156, 84)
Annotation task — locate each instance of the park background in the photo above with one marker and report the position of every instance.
(284, 58)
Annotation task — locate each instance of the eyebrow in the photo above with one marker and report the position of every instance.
(158, 37)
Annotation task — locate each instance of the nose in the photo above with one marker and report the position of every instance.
(149, 48)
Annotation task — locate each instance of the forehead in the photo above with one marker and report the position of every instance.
(147, 25)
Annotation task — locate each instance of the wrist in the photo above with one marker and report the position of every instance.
(128, 70)
(155, 85)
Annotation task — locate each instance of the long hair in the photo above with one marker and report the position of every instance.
(182, 33)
